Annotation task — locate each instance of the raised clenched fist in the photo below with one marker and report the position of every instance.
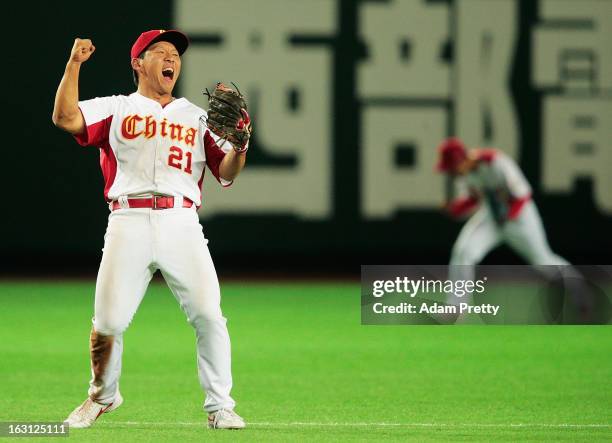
(81, 50)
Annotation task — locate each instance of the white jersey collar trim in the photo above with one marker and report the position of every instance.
(173, 103)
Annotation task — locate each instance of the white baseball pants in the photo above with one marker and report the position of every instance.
(525, 235)
(136, 244)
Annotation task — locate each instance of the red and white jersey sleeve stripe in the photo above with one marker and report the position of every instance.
(98, 116)
(215, 154)
(513, 179)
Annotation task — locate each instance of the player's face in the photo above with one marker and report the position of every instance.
(161, 67)
(462, 168)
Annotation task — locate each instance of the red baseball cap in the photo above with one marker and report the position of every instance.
(450, 153)
(146, 39)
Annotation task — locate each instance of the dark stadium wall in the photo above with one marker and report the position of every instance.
(350, 99)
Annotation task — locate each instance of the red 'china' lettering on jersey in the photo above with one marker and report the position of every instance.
(149, 149)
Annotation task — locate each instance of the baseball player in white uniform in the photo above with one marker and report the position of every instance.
(490, 183)
(154, 149)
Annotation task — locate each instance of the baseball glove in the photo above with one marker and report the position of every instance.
(228, 117)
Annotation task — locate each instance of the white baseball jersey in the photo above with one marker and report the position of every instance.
(498, 172)
(149, 149)
(499, 181)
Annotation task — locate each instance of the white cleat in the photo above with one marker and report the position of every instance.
(88, 412)
(225, 419)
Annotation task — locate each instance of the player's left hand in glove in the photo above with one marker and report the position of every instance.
(228, 117)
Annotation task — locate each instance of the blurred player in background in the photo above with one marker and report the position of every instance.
(489, 184)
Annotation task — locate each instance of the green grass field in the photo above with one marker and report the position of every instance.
(306, 370)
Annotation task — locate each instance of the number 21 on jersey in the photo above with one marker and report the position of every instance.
(175, 159)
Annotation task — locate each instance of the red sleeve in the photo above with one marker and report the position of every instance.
(462, 206)
(486, 155)
(516, 206)
(214, 156)
(95, 134)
